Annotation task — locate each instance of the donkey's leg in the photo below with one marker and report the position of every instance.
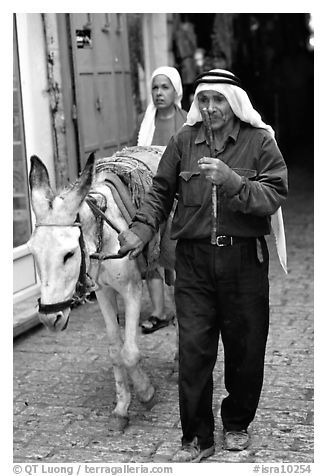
(132, 296)
(108, 304)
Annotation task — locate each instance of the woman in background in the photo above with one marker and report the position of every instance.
(162, 119)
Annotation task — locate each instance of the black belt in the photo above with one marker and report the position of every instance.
(224, 240)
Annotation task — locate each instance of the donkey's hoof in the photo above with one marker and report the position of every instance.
(118, 423)
(151, 402)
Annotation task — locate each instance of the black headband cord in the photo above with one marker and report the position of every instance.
(215, 77)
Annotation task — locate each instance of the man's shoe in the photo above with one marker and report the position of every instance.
(236, 440)
(191, 453)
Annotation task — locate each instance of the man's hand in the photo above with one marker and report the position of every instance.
(129, 241)
(217, 172)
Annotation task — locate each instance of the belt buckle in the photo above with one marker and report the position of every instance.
(224, 240)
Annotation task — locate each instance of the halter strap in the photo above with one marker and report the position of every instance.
(57, 307)
(81, 282)
(80, 289)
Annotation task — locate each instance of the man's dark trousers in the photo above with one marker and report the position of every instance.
(220, 291)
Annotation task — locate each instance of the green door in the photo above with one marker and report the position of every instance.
(104, 101)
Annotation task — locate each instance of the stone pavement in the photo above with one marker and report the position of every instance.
(64, 387)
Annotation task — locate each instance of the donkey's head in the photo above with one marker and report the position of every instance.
(55, 240)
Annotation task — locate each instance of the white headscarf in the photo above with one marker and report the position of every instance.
(148, 124)
(237, 98)
(243, 109)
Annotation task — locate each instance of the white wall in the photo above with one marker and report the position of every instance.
(33, 73)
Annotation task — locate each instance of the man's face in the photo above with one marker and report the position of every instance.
(218, 107)
(163, 92)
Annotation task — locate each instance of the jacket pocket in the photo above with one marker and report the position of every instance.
(191, 187)
(248, 173)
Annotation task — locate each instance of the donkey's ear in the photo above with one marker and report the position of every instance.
(41, 192)
(83, 184)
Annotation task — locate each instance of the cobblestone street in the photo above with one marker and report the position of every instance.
(64, 387)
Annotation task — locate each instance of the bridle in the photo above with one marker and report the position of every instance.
(81, 288)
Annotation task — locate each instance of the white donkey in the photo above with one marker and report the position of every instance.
(65, 245)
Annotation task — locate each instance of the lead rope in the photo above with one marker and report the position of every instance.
(81, 290)
(98, 214)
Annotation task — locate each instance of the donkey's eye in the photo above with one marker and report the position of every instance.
(70, 254)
